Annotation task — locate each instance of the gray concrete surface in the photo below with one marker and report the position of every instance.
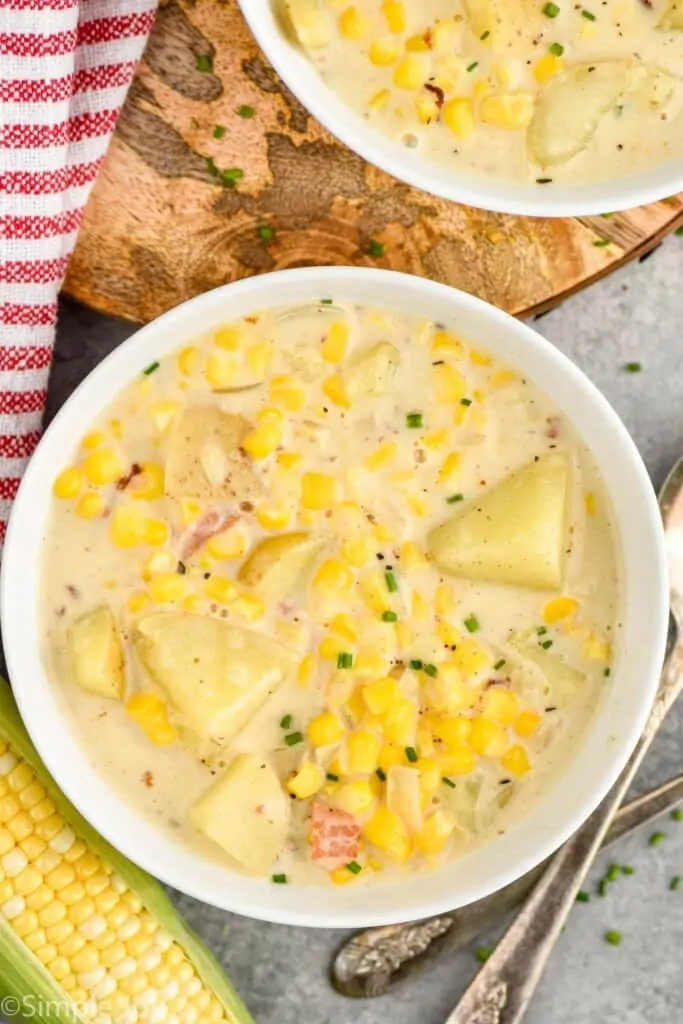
(637, 314)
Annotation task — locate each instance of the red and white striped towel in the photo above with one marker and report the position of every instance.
(65, 67)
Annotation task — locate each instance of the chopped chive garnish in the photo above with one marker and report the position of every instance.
(607, 672)
(390, 580)
(354, 867)
(245, 111)
(602, 887)
(376, 249)
(484, 35)
(656, 838)
(279, 879)
(151, 368)
(472, 624)
(626, 869)
(482, 953)
(448, 782)
(204, 63)
(546, 645)
(414, 420)
(473, 65)
(344, 659)
(676, 883)
(411, 754)
(613, 938)
(326, 302)
(633, 367)
(430, 670)
(542, 630)
(286, 722)
(415, 664)
(551, 10)
(557, 49)
(331, 777)
(466, 401)
(499, 664)
(233, 174)
(219, 131)
(293, 738)
(587, 15)
(602, 243)
(677, 815)
(389, 616)
(265, 232)
(679, 231)
(381, 775)
(583, 897)
(454, 498)
(613, 872)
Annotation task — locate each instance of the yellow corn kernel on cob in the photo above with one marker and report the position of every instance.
(101, 931)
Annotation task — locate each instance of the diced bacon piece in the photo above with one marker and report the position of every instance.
(209, 525)
(334, 835)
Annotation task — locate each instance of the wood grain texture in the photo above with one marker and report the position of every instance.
(165, 222)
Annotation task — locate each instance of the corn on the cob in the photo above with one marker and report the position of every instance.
(85, 935)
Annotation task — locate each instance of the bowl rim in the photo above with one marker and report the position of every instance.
(497, 195)
(125, 828)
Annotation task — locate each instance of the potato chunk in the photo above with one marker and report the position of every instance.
(569, 108)
(96, 654)
(206, 458)
(278, 565)
(215, 675)
(506, 23)
(403, 796)
(246, 812)
(514, 533)
(372, 372)
(672, 19)
(307, 21)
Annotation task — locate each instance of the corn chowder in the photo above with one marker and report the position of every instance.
(519, 89)
(330, 593)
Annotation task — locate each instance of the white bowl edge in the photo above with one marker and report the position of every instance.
(611, 735)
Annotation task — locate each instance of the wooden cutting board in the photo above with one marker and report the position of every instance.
(164, 223)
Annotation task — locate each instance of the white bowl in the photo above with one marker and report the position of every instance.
(608, 740)
(488, 193)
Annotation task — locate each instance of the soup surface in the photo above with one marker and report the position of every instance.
(512, 88)
(330, 593)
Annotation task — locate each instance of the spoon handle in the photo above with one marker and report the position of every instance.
(505, 985)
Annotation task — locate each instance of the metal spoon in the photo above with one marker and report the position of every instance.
(505, 985)
(374, 960)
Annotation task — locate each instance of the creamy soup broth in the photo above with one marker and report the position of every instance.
(330, 586)
(517, 89)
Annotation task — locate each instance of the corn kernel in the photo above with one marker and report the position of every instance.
(342, 876)
(326, 729)
(458, 116)
(355, 797)
(500, 705)
(387, 831)
(471, 657)
(511, 110)
(385, 453)
(249, 607)
(336, 340)
(438, 439)
(149, 712)
(444, 599)
(419, 504)
(597, 649)
(68, 483)
(263, 440)
(400, 722)
(479, 358)
(288, 460)
(445, 36)
(373, 589)
(104, 466)
(526, 723)
(273, 517)
(419, 607)
(370, 664)
(379, 100)
(454, 730)
(459, 760)
(404, 636)
(382, 52)
(383, 534)
(501, 379)
(330, 648)
(163, 413)
(305, 673)
(307, 780)
(450, 385)
(418, 43)
(430, 775)
(188, 360)
(488, 738)
(155, 532)
(167, 588)
(150, 485)
(343, 624)
(394, 12)
(362, 752)
(353, 24)
(412, 558)
(450, 467)
(357, 552)
(547, 67)
(128, 526)
(317, 491)
(287, 392)
(229, 338)
(590, 504)
(435, 832)
(335, 389)
(559, 608)
(221, 369)
(258, 357)
(427, 109)
(412, 71)
(93, 440)
(448, 343)
(334, 574)
(516, 761)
